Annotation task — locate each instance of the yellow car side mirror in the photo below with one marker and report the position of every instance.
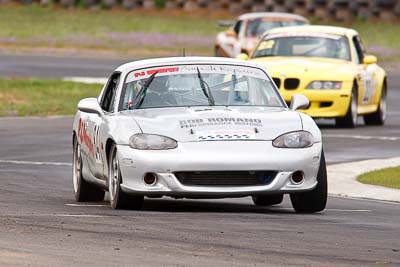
(243, 56)
(370, 59)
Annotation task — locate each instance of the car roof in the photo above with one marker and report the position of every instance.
(314, 29)
(256, 15)
(148, 63)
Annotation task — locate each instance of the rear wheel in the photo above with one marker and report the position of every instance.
(350, 119)
(379, 116)
(119, 199)
(83, 190)
(315, 200)
(267, 200)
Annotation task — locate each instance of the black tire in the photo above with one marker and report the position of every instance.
(83, 191)
(350, 119)
(267, 200)
(379, 116)
(119, 199)
(315, 200)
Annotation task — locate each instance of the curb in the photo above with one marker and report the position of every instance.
(342, 180)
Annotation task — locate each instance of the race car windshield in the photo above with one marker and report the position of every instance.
(304, 46)
(179, 86)
(258, 26)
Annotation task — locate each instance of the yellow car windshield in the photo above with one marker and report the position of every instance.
(304, 46)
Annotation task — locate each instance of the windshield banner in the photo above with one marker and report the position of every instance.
(192, 69)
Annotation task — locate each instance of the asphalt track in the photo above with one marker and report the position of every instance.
(41, 224)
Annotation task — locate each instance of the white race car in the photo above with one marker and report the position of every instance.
(196, 127)
(244, 34)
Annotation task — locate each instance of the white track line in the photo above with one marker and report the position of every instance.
(73, 215)
(362, 137)
(35, 162)
(344, 210)
(366, 199)
(87, 205)
(55, 215)
(340, 210)
(89, 80)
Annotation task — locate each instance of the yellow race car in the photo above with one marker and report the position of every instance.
(329, 66)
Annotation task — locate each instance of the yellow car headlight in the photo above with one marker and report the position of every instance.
(324, 85)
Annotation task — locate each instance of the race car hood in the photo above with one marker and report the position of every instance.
(323, 68)
(217, 123)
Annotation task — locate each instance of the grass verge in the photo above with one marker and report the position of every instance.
(389, 177)
(156, 31)
(34, 21)
(42, 97)
(122, 31)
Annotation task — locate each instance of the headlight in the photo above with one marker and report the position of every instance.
(321, 85)
(300, 139)
(151, 142)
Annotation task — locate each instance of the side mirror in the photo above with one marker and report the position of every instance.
(370, 59)
(90, 105)
(231, 33)
(243, 56)
(299, 101)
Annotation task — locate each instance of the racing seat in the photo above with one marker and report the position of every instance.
(153, 100)
(169, 99)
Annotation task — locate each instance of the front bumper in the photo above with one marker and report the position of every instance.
(323, 103)
(217, 156)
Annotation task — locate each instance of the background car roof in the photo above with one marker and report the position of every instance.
(147, 63)
(256, 15)
(314, 28)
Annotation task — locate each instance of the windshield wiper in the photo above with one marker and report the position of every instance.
(206, 91)
(142, 93)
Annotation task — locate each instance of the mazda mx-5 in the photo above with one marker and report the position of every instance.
(196, 127)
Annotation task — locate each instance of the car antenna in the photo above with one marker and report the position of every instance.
(184, 52)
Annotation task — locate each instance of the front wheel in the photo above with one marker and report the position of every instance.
(267, 200)
(314, 200)
(119, 199)
(379, 116)
(83, 190)
(350, 119)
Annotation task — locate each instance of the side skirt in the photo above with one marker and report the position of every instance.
(89, 177)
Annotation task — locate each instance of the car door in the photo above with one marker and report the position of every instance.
(98, 127)
(232, 44)
(237, 45)
(367, 74)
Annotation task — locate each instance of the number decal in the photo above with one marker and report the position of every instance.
(367, 91)
(96, 137)
(369, 86)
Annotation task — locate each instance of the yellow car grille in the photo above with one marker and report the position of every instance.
(288, 83)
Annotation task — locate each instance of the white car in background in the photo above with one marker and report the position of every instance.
(244, 34)
(196, 127)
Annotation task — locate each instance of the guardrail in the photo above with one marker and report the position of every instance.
(327, 10)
